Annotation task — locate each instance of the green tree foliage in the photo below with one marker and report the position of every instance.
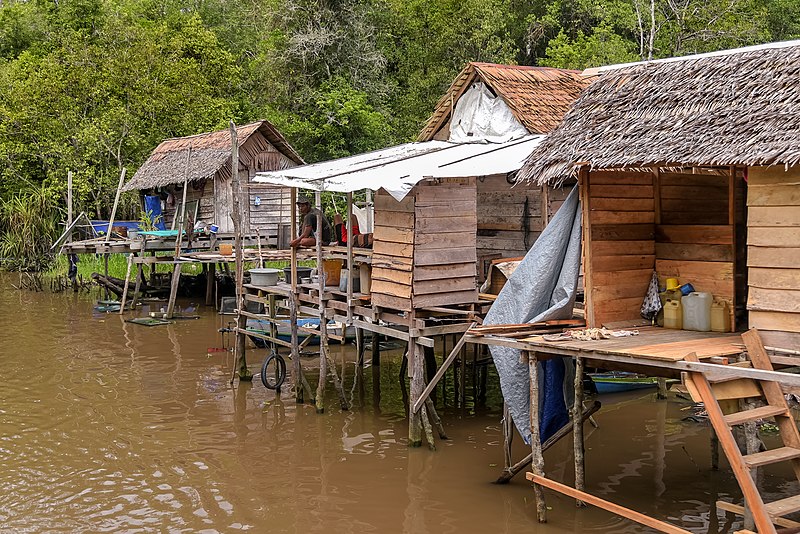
(92, 86)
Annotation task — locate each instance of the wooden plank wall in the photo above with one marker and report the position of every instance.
(619, 249)
(773, 245)
(392, 251)
(275, 208)
(695, 234)
(509, 219)
(445, 256)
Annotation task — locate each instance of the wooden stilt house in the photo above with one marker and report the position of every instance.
(209, 198)
(689, 167)
(533, 100)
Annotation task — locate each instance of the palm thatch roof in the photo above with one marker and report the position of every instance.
(736, 107)
(537, 96)
(211, 154)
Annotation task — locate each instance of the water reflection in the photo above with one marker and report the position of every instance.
(110, 426)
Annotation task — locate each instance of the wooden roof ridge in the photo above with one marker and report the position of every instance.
(738, 107)
(537, 96)
(210, 153)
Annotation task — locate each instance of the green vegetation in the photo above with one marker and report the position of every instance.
(92, 86)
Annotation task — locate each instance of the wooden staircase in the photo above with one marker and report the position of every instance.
(765, 515)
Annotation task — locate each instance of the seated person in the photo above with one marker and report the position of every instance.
(340, 229)
(308, 225)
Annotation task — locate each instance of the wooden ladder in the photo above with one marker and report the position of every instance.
(764, 514)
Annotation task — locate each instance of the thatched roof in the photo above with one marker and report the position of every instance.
(538, 96)
(737, 107)
(211, 153)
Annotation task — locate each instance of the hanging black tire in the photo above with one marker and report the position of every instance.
(273, 371)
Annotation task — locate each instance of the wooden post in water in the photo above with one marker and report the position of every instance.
(508, 437)
(537, 459)
(176, 271)
(416, 365)
(69, 205)
(241, 321)
(296, 366)
(323, 322)
(577, 430)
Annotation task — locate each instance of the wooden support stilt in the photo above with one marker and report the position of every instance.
(560, 433)
(417, 370)
(435, 419)
(440, 373)
(462, 386)
(173, 289)
(137, 287)
(662, 388)
(211, 270)
(236, 215)
(577, 430)
(360, 346)
(714, 450)
(508, 437)
(426, 424)
(124, 299)
(537, 459)
(376, 348)
(323, 320)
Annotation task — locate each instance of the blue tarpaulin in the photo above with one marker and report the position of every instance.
(152, 206)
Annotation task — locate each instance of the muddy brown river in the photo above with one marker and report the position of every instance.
(107, 426)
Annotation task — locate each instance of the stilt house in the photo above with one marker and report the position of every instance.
(210, 195)
(689, 166)
(445, 204)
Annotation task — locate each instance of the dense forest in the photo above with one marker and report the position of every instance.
(92, 86)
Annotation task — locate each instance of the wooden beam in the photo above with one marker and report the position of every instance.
(588, 498)
(116, 203)
(440, 373)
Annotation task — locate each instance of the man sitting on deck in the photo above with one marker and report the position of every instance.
(308, 226)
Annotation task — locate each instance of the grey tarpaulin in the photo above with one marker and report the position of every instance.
(542, 288)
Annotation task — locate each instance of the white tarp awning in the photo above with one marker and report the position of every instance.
(398, 169)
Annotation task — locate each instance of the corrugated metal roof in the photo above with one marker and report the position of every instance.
(399, 168)
(538, 96)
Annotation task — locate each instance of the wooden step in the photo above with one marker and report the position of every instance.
(784, 506)
(772, 456)
(754, 415)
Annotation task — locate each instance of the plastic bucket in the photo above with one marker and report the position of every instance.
(264, 277)
(333, 271)
(302, 272)
(226, 249)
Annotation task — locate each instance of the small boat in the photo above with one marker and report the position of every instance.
(618, 381)
(285, 330)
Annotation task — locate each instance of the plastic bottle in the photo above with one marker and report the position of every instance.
(673, 314)
(720, 316)
(697, 311)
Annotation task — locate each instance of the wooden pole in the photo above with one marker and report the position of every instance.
(296, 366)
(173, 289)
(323, 322)
(537, 464)
(69, 205)
(508, 437)
(127, 284)
(179, 238)
(577, 430)
(417, 367)
(349, 227)
(211, 271)
(236, 216)
(116, 203)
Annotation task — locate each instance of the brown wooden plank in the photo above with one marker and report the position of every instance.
(715, 193)
(626, 289)
(393, 289)
(393, 235)
(444, 240)
(618, 304)
(709, 234)
(702, 205)
(690, 270)
(621, 178)
(445, 224)
(393, 249)
(446, 299)
(616, 509)
(436, 272)
(628, 204)
(390, 262)
(623, 263)
(394, 219)
(445, 256)
(622, 217)
(773, 195)
(390, 302)
(621, 191)
(384, 201)
(614, 248)
(785, 237)
(771, 320)
(780, 300)
(428, 287)
(392, 275)
(610, 279)
(694, 252)
(695, 217)
(535, 224)
(774, 278)
(669, 179)
(773, 257)
(622, 232)
(776, 175)
(773, 216)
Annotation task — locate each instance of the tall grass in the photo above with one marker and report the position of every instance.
(28, 227)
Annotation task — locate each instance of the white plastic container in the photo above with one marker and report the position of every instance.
(264, 277)
(697, 311)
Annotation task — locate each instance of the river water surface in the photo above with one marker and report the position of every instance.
(107, 426)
